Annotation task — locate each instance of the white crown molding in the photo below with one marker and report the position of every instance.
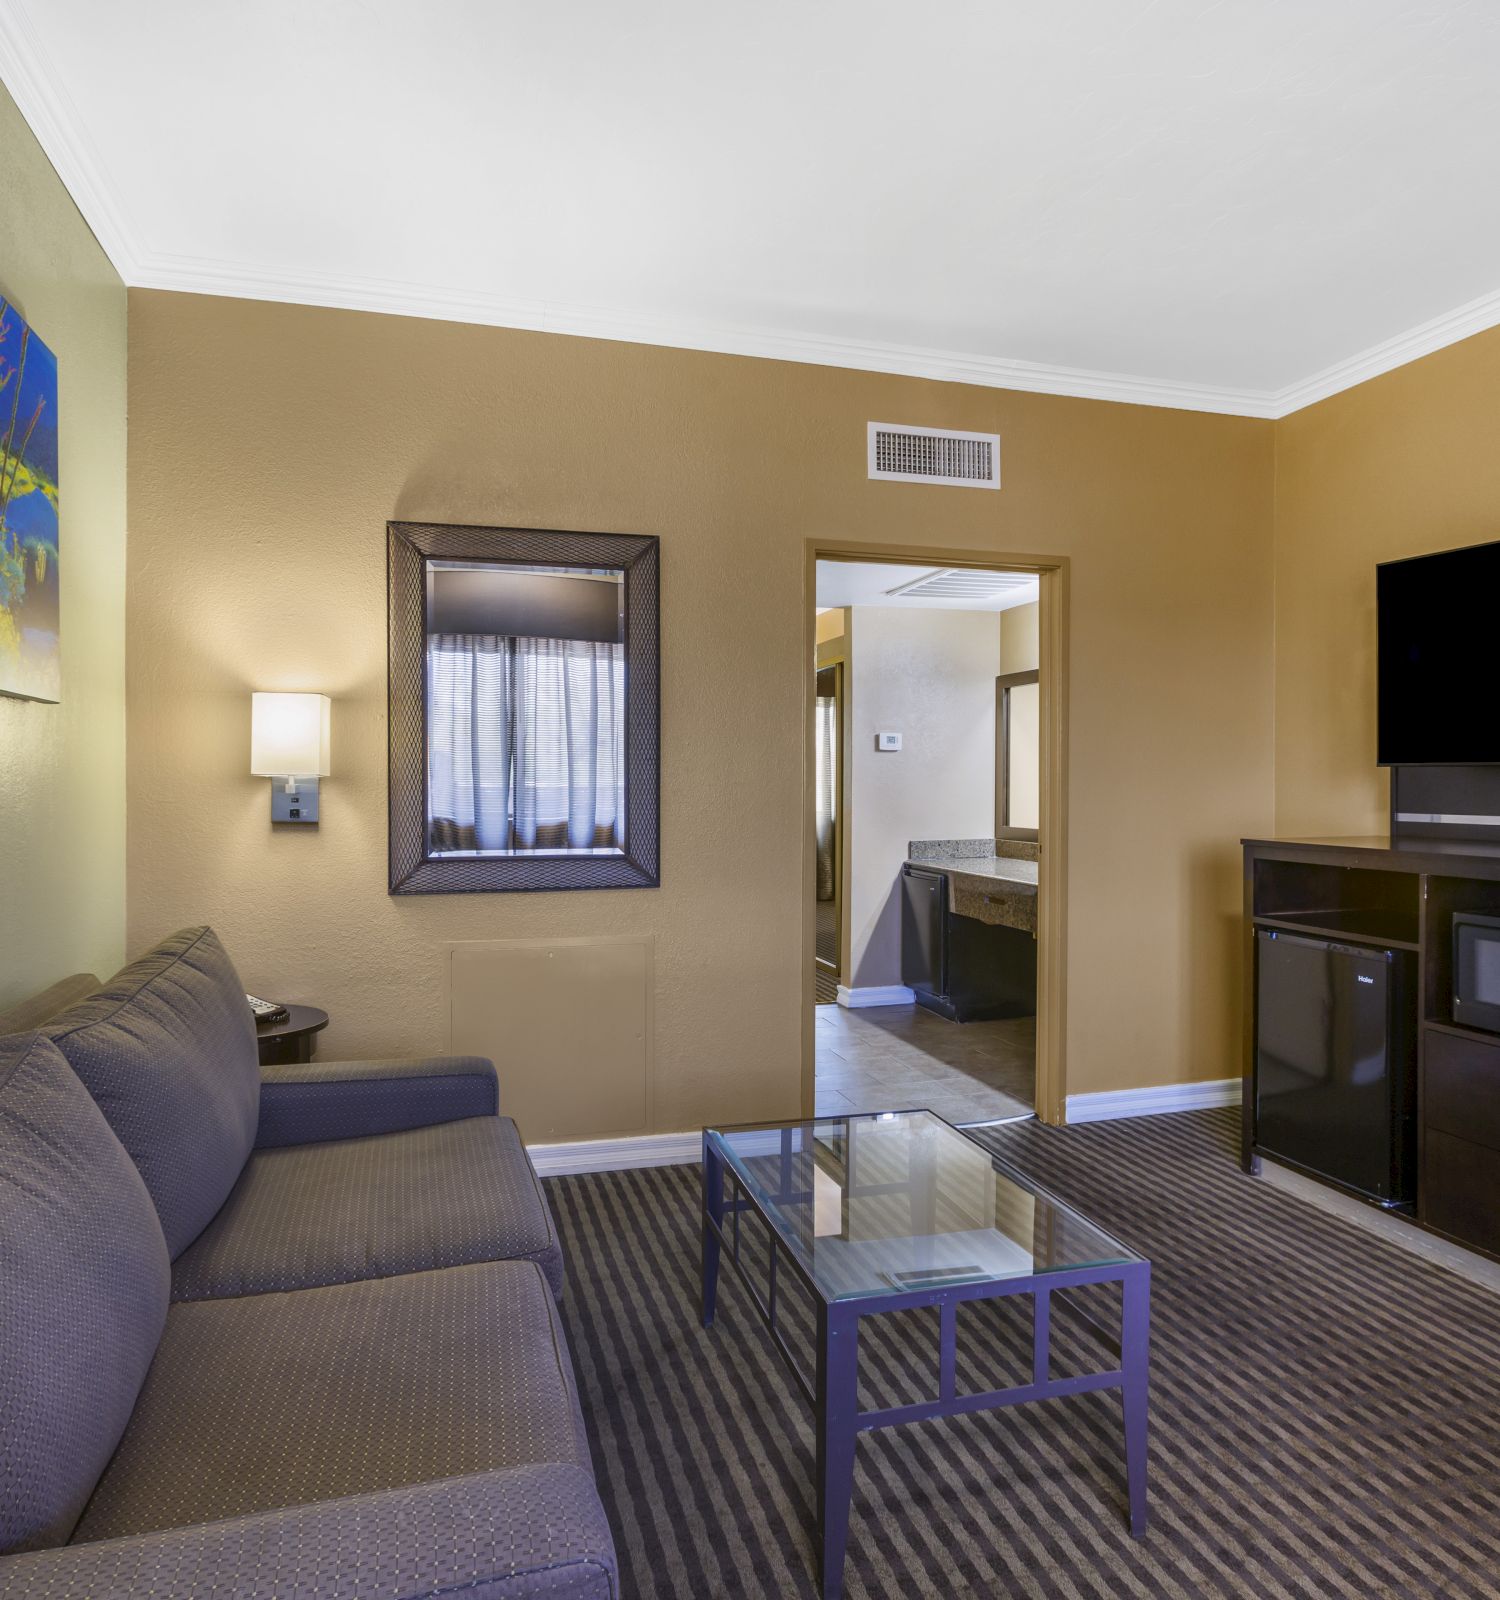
(1476, 316)
(1110, 1104)
(187, 276)
(37, 90)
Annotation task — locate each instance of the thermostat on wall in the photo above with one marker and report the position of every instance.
(887, 741)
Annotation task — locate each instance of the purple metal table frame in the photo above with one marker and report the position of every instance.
(833, 1391)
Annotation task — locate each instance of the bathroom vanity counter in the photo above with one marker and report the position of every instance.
(996, 889)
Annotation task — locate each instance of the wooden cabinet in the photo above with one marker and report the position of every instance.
(1402, 895)
(1460, 1154)
(1461, 1190)
(1461, 1083)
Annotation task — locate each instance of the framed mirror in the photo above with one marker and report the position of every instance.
(1018, 723)
(524, 709)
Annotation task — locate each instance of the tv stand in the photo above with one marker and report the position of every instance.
(1400, 892)
(1459, 804)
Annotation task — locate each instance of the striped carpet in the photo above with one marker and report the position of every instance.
(1325, 1409)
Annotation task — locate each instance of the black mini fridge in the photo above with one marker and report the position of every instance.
(1335, 1069)
(963, 969)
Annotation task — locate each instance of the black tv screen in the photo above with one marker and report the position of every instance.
(1438, 619)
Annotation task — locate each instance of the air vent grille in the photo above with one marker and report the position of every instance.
(928, 455)
(960, 584)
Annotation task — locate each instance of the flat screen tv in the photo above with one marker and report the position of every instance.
(1439, 619)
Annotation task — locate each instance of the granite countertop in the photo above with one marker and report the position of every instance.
(998, 889)
(985, 870)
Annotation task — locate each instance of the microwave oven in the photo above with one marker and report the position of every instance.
(1476, 970)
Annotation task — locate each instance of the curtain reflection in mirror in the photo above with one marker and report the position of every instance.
(526, 748)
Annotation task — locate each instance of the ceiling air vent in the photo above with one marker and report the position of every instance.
(927, 455)
(958, 583)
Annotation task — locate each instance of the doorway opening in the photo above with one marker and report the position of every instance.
(934, 946)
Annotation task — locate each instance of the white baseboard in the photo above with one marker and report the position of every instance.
(1113, 1103)
(892, 994)
(615, 1155)
(686, 1149)
(647, 1150)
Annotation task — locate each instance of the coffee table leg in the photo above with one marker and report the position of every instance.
(837, 1416)
(1135, 1353)
(713, 1206)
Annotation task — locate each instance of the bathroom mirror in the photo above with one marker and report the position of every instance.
(523, 709)
(1018, 747)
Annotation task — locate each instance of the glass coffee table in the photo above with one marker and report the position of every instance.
(897, 1210)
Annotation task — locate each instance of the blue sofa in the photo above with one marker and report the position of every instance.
(279, 1334)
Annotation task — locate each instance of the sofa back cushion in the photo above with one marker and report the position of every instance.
(28, 1014)
(84, 1283)
(167, 1048)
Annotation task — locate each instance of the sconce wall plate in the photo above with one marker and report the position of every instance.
(294, 800)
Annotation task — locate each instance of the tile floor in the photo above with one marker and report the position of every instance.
(893, 1058)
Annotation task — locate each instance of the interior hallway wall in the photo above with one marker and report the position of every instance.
(829, 627)
(1020, 638)
(270, 444)
(929, 676)
(62, 767)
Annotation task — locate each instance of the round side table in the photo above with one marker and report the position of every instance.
(293, 1040)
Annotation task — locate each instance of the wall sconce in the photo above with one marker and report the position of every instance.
(289, 742)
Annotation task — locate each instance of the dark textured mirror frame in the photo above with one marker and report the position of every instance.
(409, 546)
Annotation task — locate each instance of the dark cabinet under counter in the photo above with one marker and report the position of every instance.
(1400, 898)
(1460, 1190)
(1461, 1082)
(961, 968)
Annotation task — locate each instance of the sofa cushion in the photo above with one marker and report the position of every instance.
(310, 1214)
(280, 1400)
(167, 1048)
(518, 1533)
(312, 1102)
(28, 1014)
(83, 1293)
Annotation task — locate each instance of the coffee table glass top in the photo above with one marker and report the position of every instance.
(901, 1202)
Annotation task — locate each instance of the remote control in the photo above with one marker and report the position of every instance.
(267, 1010)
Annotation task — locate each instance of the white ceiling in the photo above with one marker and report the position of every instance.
(869, 583)
(1236, 207)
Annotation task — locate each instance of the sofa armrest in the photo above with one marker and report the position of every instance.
(309, 1102)
(525, 1533)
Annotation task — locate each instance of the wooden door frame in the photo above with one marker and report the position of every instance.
(1052, 875)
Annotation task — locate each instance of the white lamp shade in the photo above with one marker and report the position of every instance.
(289, 735)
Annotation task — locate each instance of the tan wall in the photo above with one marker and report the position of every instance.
(62, 767)
(1020, 638)
(929, 676)
(270, 443)
(832, 636)
(1404, 464)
